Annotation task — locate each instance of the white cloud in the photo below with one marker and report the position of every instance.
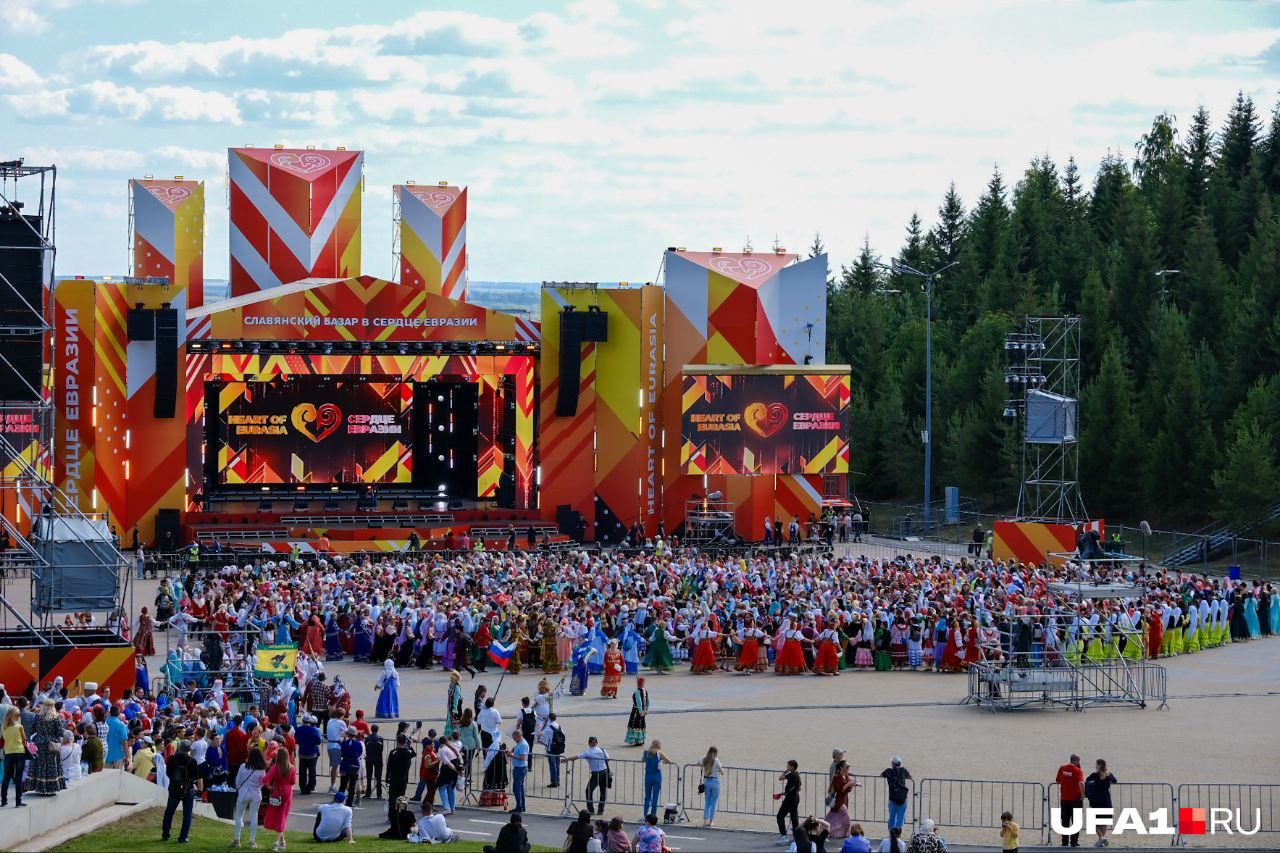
(31, 16)
(16, 75)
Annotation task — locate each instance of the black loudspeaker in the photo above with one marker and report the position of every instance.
(568, 520)
(166, 363)
(168, 528)
(142, 324)
(576, 328)
(21, 359)
(21, 271)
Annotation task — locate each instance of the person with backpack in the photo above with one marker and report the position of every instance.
(182, 773)
(896, 776)
(553, 739)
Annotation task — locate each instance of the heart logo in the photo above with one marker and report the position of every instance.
(303, 164)
(316, 424)
(170, 195)
(765, 419)
(435, 199)
(740, 268)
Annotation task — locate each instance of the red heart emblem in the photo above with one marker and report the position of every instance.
(435, 198)
(744, 269)
(765, 419)
(170, 195)
(316, 424)
(303, 164)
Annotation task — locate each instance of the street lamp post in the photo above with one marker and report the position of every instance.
(900, 267)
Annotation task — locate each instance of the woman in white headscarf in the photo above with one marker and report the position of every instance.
(388, 691)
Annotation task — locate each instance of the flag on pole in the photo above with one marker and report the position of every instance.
(500, 654)
(275, 661)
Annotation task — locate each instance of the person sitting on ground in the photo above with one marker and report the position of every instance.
(402, 821)
(894, 843)
(512, 838)
(649, 838)
(857, 841)
(579, 833)
(431, 828)
(333, 821)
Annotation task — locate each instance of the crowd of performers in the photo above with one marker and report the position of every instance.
(610, 614)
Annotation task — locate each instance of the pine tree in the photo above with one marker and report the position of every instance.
(1198, 154)
(1233, 192)
(1200, 289)
(1111, 437)
(1248, 483)
(1269, 155)
(863, 275)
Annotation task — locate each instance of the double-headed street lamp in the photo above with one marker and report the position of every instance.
(898, 266)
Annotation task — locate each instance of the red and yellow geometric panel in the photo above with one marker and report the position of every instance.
(433, 238)
(1034, 541)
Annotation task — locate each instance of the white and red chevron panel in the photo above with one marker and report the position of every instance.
(168, 235)
(433, 238)
(295, 214)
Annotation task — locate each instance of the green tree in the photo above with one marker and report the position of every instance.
(1248, 483)
(1111, 437)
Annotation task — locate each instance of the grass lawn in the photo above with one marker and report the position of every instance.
(141, 833)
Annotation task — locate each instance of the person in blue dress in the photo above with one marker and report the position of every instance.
(1251, 611)
(363, 642)
(630, 649)
(332, 639)
(388, 692)
(598, 640)
(581, 673)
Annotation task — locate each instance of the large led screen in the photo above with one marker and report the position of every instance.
(765, 423)
(314, 431)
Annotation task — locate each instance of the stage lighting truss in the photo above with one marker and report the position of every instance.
(414, 348)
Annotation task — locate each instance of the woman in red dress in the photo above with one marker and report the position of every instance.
(954, 649)
(144, 641)
(1156, 636)
(277, 795)
(827, 660)
(313, 637)
(704, 655)
(972, 651)
(749, 638)
(790, 652)
(612, 671)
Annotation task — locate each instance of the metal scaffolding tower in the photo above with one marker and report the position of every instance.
(1043, 367)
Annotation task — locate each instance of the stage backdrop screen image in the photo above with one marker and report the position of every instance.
(766, 423)
(313, 431)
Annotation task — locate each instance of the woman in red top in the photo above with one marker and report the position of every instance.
(144, 640)
(704, 656)
(612, 671)
(1156, 636)
(428, 771)
(313, 636)
(277, 789)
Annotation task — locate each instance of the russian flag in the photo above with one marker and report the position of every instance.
(500, 654)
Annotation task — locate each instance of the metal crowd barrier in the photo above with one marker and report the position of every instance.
(978, 804)
(1146, 797)
(1257, 804)
(628, 785)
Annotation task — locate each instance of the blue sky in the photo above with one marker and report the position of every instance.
(593, 134)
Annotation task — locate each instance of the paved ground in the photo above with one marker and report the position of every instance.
(1220, 727)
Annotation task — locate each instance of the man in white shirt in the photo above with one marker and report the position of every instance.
(431, 828)
(490, 722)
(334, 731)
(333, 821)
(598, 763)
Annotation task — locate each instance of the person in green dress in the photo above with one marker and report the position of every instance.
(884, 661)
(658, 657)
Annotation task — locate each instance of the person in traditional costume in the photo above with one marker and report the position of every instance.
(704, 656)
(598, 640)
(749, 640)
(898, 642)
(1155, 633)
(566, 634)
(630, 644)
(915, 646)
(790, 659)
(313, 637)
(581, 674)
(45, 776)
(520, 645)
(144, 639)
(827, 660)
(542, 703)
(658, 657)
(1273, 609)
(453, 705)
(883, 657)
(388, 707)
(1251, 613)
(362, 638)
(550, 652)
(612, 671)
(637, 722)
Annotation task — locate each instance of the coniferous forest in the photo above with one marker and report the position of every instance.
(1180, 375)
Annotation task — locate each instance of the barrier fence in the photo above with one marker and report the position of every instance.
(963, 804)
(1256, 803)
(978, 804)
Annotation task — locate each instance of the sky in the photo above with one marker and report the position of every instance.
(594, 134)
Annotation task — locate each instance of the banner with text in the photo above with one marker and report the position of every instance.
(766, 423)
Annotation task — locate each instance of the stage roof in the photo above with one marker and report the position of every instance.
(363, 308)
